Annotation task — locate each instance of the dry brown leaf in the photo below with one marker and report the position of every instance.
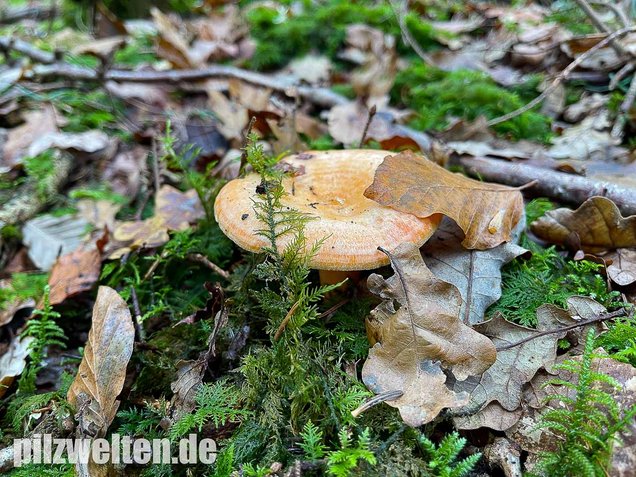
(597, 225)
(622, 271)
(13, 361)
(174, 211)
(347, 122)
(101, 374)
(74, 273)
(100, 213)
(410, 183)
(233, 116)
(37, 124)
(124, 172)
(313, 69)
(171, 45)
(419, 338)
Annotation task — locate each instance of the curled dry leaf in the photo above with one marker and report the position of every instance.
(475, 273)
(13, 361)
(418, 339)
(597, 225)
(410, 183)
(37, 124)
(101, 374)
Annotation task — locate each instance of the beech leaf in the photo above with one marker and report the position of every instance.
(485, 212)
(424, 335)
(476, 273)
(101, 374)
(597, 225)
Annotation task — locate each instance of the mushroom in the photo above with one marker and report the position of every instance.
(328, 185)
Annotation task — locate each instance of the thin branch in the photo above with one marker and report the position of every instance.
(137, 315)
(13, 15)
(375, 400)
(8, 43)
(283, 324)
(203, 260)
(567, 188)
(602, 317)
(246, 139)
(562, 76)
(370, 116)
(400, 13)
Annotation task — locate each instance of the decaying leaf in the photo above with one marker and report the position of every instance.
(37, 124)
(622, 271)
(597, 225)
(418, 339)
(100, 213)
(475, 273)
(503, 382)
(88, 141)
(233, 116)
(13, 361)
(74, 273)
(314, 69)
(48, 237)
(101, 374)
(410, 183)
(174, 210)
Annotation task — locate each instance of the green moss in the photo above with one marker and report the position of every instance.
(23, 286)
(436, 96)
(282, 35)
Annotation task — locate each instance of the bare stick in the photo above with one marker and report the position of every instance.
(375, 400)
(203, 260)
(137, 315)
(155, 165)
(372, 112)
(283, 324)
(13, 15)
(567, 188)
(602, 317)
(562, 76)
(246, 139)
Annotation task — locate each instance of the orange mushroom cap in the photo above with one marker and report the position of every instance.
(329, 186)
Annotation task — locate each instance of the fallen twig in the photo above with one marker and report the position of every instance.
(205, 261)
(8, 43)
(375, 400)
(16, 14)
(562, 76)
(567, 188)
(400, 13)
(283, 324)
(602, 317)
(372, 112)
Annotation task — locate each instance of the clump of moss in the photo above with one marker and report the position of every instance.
(282, 34)
(437, 95)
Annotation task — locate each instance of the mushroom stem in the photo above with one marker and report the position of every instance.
(331, 277)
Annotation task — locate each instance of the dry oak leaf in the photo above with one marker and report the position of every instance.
(101, 374)
(417, 340)
(504, 381)
(475, 273)
(174, 210)
(597, 225)
(74, 273)
(485, 212)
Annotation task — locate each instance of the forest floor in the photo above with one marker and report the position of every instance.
(173, 178)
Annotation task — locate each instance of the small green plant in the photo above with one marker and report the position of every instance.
(144, 422)
(40, 169)
(218, 403)
(547, 277)
(589, 423)
(442, 457)
(23, 286)
(341, 462)
(46, 332)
